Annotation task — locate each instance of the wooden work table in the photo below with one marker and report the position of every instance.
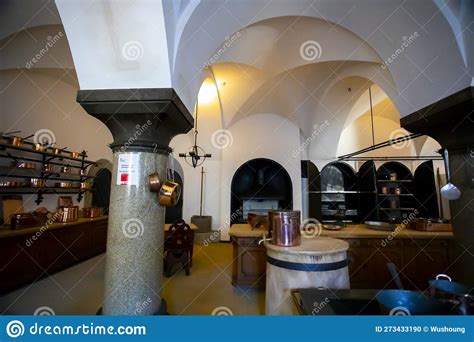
(419, 255)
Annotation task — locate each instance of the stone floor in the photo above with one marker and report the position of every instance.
(78, 290)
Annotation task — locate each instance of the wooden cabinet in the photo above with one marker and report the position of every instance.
(417, 260)
(249, 265)
(23, 260)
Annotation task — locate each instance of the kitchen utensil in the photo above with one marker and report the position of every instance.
(37, 182)
(285, 227)
(27, 220)
(397, 191)
(170, 193)
(74, 155)
(449, 191)
(48, 167)
(65, 201)
(10, 184)
(38, 147)
(385, 190)
(41, 210)
(154, 182)
(91, 212)
(333, 227)
(376, 225)
(393, 176)
(430, 225)
(440, 198)
(15, 141)
(64, 169)
(67, 214)
(404, 303)
(252, 219)
(86, 185)
(23, 165)
(63, 184)
(460, 295)
(58, 150)
(11, 205)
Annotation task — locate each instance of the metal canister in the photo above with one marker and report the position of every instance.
(285, 227)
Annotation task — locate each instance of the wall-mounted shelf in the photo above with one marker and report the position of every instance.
(26, 153)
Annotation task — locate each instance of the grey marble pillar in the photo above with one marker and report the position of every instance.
(135, 243)
(142, 122)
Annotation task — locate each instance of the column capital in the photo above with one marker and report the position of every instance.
(139, 119)
(450, 120)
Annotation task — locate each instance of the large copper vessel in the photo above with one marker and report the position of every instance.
(284, 227)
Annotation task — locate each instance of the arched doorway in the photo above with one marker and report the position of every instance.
(259, 185)
(101, 190)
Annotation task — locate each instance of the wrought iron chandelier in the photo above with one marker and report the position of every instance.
(195, 156)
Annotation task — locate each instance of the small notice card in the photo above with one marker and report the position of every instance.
(127, 172)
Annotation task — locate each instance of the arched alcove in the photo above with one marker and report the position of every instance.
(257, 186)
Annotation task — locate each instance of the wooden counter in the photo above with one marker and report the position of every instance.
(27, 255)
(419, 256)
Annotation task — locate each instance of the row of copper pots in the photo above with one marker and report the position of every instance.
(18, 142)
(169, 191)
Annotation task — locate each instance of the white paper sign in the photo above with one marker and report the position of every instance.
(128, 169)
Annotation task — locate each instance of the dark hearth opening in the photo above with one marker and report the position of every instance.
(259, 185)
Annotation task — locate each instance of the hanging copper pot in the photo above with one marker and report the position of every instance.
(154, 182)
(170, 193)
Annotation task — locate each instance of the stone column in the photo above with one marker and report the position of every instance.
(451, 122)
(142, 122)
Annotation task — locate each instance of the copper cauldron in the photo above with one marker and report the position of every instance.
(284, 227)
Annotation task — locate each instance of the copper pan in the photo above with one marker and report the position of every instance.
(170, 193)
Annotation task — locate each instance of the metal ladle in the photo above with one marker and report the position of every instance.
(449, 191)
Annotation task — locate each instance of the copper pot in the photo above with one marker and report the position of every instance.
(398, 191)
(23, 165)
(285, 227)
(15, 141)
(154, 182)
(86, 185)
(37, 182)
(9, 184)
(393, 176)
(92, 212)
(38, 147)
(67, 214)
(64, 184)
(385, 190)
(170, 193)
